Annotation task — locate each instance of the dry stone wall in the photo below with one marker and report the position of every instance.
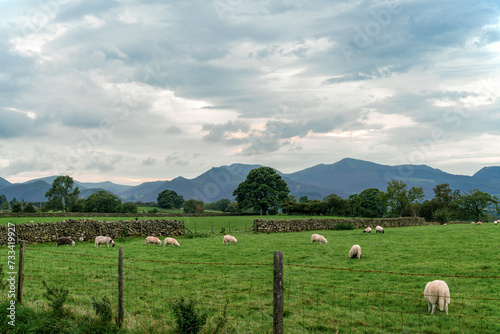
(89, 229)
(296, 225)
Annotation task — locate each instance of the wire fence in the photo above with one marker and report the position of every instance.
(238, 300)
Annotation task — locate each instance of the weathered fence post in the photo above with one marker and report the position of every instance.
(245, 226)
(120, 287)
(212, 227)
(278, 297)
(20, 274)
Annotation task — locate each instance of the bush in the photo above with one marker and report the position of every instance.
(187, 318)
(57, 297)
(103, 309)
(344, 226)
(442, 215)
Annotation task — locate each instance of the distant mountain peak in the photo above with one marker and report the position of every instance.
(4, 182)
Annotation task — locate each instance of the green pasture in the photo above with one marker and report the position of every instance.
(325, 290)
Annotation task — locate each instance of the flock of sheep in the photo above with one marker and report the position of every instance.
(435, 292)
(481, 223)
(355, 251)
(228, 239)
(101, 240)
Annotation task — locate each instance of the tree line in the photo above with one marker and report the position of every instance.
(64, 196)
(265, 192)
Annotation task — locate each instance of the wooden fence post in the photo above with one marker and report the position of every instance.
(212, 227)
(120, 287)
(278, 297)
(20, 275)
(229, 227)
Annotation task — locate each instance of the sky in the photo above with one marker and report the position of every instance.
(134, 91)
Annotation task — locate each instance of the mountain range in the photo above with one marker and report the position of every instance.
(345, 177)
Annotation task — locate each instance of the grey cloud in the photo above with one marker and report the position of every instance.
(176, 159)
(16, 124)
(149, 162)
(220, 132)
(173, 130)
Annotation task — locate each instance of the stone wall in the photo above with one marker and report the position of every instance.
(89, 229)
(295, 225)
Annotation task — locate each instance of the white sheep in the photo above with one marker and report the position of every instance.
(104, 240)
(479, 223)
(229, 239)
(437, 292)
(171, 241)
(495, 222)
(368, 230)
(318, 237)
(81, 238)
(153, 240)
(472, 222)
(355, 252)
(379, 229)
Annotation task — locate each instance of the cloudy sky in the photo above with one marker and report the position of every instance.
(132, 91)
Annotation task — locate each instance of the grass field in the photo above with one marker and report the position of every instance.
(325, 291)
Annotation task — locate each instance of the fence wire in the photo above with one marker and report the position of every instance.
(236, 300)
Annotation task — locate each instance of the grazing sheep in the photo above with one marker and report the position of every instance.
(495, 222)
(437, 292)
(65, 241)
(379, 229)
(171, 241)
(153, 240)
(103, 240)
(229, 239)
(81, 238)
(317, 237)
(368, 230)
(479, 223)
(355, 252)
(472, 222)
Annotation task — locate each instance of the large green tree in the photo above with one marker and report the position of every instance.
(335, 204)
(103, 201)
(62, 195)
(263, 189)
(372, 203)
(444, 197)
(400, 198)
(475, 202)
(192, 206)
(169, 199)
